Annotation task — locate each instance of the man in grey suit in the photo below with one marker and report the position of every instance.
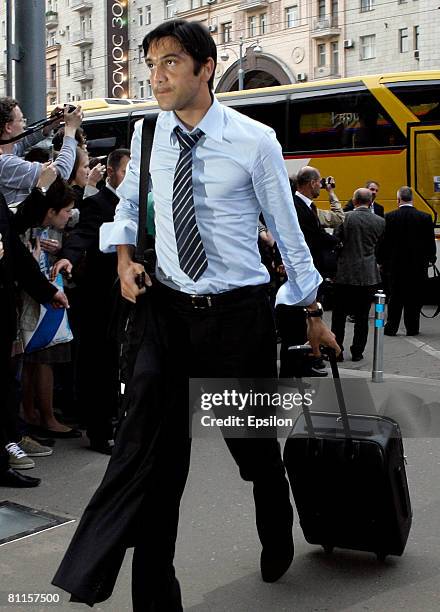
(357, 273)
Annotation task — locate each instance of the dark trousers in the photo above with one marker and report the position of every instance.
(404, 297)
(292, 328)
(234, 340)
(356, 301)
(97, 369)
(8, 412)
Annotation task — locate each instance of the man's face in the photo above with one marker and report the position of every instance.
(374, 188)
(117, 176)
(315, 185)
(16, 124)
(172, 77)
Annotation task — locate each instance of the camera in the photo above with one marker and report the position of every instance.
(69, 107)
(328, 181)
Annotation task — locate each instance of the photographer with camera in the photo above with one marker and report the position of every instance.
(17, 176)
(335, 216)
(291, 320)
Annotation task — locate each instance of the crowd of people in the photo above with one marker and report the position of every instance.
(208, 309)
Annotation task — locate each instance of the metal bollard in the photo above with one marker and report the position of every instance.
(379, 320)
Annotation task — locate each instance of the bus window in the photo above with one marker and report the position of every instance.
(343, 121)
(104, 132)
(422, 100)
(272, 114)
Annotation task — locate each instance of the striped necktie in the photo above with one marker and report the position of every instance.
(192, 256)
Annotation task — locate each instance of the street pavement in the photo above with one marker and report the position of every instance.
(217, 558)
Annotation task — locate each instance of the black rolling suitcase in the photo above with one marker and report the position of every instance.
(348, 478)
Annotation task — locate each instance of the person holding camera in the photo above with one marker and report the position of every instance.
(291, 321)
(17, 176)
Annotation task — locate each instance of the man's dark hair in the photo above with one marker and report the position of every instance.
(370, 182)
(405, 194)
(57, 140)
(37, 154)
(305, 175)
(59, 195)
(194, 38)
(7, 105)
(114, 159)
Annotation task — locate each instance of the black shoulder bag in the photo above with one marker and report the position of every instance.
(129, 319)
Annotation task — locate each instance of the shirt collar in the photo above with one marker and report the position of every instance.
(408, 204)
(304, 198)
(211, 124)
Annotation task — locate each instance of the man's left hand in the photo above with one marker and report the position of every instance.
(319, 334)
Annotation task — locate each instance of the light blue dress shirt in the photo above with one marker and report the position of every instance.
(238, 172)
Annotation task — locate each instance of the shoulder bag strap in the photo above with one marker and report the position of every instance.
(148, 127)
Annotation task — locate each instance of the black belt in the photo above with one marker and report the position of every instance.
(211, 300)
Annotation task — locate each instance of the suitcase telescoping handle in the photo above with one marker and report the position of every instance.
(331, 353)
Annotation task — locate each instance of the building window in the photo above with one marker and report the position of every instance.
(140, 16)
(321, 9)
(263, 23)
(252, 26)
(149, 90)
(4, 29)
(51, 39)
(89, 58)
(403, 40)
(227, 32)
(147, 14)
(367, 5)
(334, 46)
(53, 75)
(68, 67)
(196, 3)
(292, 16)
(141, 89)
(68, 33)
(170, 8)
(334, 12)
(416, 37)
(321, 54)
(140, 54)
(368, 46)
(68, 98)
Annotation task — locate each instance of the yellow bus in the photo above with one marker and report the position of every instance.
(384, 128)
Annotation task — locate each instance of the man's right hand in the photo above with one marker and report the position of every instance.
(128, 273)
(47, 175)
(72, 120)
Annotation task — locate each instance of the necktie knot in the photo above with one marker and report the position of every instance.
(186, 140)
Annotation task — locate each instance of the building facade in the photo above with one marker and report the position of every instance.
(94, 47)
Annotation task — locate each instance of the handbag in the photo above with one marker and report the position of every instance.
(431, 292)
(52, 326)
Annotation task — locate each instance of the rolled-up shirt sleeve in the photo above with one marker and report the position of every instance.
(123, 229)
(271, 184)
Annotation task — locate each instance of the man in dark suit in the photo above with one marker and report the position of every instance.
(95, 274)
(291, 320)
(16, 265)
(377, 208)
(357, 272)
(408, 249)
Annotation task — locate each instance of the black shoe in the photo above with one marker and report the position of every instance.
(357, 357)
(42, 441)
(101, 446)
(12, 478)
(318, 363)
(51, 433)
(413, 333)
(275, 563)
(340, 357)
(388, 332)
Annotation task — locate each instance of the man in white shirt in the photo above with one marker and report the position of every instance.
(213, 171)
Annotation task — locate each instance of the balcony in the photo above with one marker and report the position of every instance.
(322, 72)
(81, 5)
(81, 73)
(51, 86)
(3, 70)
(250, 5)
(326, 28)
(84, 37)
(51, 19)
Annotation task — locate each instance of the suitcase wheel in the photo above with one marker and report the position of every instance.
(381, 556)
(328, 549)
